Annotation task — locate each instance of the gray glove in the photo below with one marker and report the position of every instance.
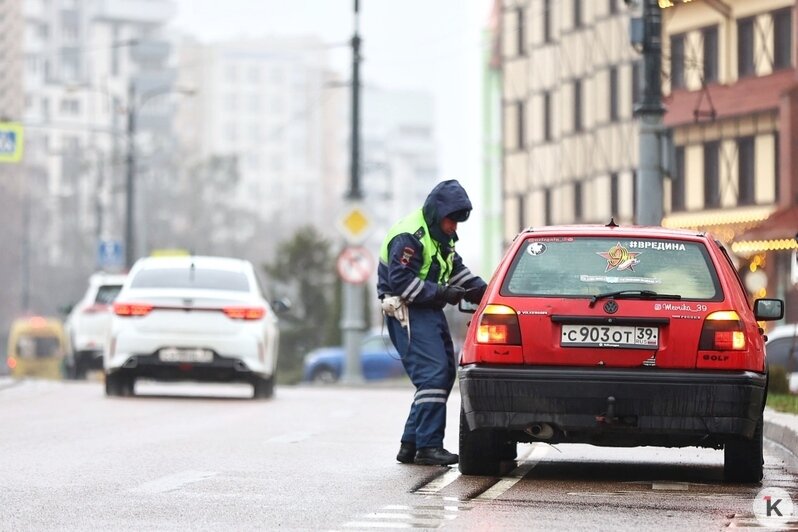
(450, 294)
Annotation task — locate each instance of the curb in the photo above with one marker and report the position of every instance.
(782, 428)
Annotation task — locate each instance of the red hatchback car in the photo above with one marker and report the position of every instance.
(615, 336)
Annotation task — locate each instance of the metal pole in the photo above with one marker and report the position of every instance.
(130, 255)
(26, 245)
(649, 195)
(352, 322)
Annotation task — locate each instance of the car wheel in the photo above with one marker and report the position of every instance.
(743, 460)
(263, 388)
(324, 375)
(482, 451)
(117, 385)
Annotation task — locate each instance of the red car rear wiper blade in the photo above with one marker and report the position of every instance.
(642, 294)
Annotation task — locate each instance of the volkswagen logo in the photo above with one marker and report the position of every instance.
(611, 307)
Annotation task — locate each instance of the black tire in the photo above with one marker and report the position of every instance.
(262, 388)
(117, 385)
(743, 459)
(324, 375)
(482, 451)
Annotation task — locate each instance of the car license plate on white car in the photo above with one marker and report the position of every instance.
(628, 337)
(175, 354)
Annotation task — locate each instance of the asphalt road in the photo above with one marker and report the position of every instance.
(191, 457)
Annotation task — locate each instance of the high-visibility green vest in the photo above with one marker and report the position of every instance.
(416, 225)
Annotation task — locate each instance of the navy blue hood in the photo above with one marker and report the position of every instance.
(446, 198)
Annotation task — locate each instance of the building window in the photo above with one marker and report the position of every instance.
(547, 206)
(613, 194)
(519, 15)
(115, 51)
(578, 105)
(546, 20)
(677, 181)
(710, 54)
(782, 38)
(634, 194)
(577, 13)
(547, 116)
(746, 194)
(520, 133)
(612, 7)
(711, 175)
(578, 213)
(635, 84)
(677, 61)
(521, 209)
(613, 93)
(745, 47)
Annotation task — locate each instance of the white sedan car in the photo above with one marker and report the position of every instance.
(192, 318)
(87, 325)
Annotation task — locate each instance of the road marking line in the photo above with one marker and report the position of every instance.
(172, 482)
(526, 462)
(438, 483)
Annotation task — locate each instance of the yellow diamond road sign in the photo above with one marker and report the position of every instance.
(354, 223)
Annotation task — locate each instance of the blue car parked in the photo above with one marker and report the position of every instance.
(378, 356)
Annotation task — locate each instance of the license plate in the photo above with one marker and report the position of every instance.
(625, 336)
(174, 354)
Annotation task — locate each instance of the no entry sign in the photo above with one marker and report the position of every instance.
(355, 264)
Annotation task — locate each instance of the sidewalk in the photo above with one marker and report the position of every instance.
(782, 428)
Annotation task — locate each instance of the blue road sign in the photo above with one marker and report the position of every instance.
(109, 254)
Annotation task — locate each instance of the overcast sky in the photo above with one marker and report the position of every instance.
(433, 45)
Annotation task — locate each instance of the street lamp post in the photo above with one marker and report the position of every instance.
(133, 107)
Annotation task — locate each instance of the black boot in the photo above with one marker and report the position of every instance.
(435, 456)
(407, 453)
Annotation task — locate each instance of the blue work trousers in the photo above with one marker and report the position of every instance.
(428, 358)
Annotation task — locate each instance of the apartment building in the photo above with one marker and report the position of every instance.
(731, 92)
(569, 77)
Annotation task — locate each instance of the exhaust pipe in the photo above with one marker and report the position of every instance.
(542, 431)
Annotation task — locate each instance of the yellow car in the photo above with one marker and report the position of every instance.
(36, 347)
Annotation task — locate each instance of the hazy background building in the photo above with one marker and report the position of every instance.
(569, 135)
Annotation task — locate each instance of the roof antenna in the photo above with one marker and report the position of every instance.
(612, 223)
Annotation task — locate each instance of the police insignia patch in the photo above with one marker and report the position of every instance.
(420, 233)
(407, 254)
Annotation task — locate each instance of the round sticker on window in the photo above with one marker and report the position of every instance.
(536, 248)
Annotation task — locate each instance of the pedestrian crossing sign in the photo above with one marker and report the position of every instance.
(11, 141)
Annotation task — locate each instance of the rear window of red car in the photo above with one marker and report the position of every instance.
(587, 266)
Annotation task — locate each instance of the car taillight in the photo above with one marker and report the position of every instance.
(132, 309)
(95, 309)
(498, 324)
(722, 331)
(244, 313)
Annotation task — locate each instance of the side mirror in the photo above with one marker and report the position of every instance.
(768, 309)
(465, 306)
(281, 305)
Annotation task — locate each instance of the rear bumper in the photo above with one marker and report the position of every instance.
(648, 407)
(221, 369)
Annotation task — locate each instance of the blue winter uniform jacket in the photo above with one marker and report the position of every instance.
(400, 273)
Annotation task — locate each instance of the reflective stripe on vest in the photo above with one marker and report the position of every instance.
(411, 224)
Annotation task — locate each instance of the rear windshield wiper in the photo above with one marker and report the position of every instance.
(625, 294)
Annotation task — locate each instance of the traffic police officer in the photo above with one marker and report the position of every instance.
(419, 273)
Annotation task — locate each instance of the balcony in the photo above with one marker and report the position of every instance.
(136, 11)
